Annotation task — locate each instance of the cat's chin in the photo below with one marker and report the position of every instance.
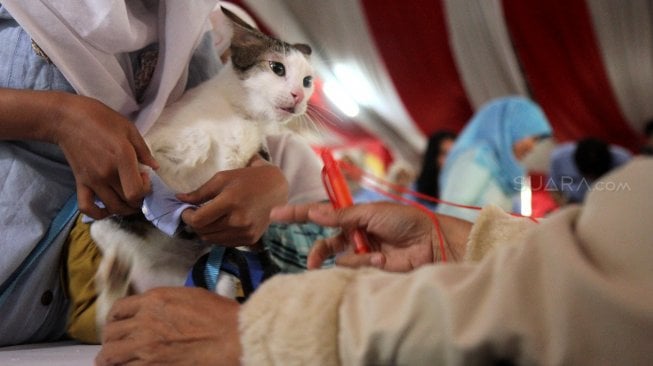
(285, 114)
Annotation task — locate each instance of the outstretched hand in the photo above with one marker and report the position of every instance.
(402, 237)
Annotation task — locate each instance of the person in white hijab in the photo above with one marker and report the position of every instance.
(80, 82)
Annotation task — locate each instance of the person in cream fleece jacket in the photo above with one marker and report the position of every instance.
(574, 289)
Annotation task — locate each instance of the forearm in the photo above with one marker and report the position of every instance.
(455, 233)
(294, 318)
(31, 114)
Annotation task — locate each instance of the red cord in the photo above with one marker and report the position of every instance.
(354, 171)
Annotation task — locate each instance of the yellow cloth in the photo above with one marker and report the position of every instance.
(82, 262)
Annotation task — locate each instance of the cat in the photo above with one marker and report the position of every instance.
(218, 125)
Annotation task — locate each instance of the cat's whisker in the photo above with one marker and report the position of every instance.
(325, 116)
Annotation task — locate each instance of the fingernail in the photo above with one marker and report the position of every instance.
(377, 260)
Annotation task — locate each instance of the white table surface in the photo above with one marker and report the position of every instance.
(49, 354)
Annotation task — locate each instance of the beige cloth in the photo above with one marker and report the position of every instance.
(89, 42)
(575, 289)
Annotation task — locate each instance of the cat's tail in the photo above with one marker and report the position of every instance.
(112, 282)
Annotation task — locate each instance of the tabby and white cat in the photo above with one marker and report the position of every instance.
(215, 126)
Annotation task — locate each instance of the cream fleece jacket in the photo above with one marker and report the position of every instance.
(575, 289)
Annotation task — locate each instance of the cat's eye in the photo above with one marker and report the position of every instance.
(308, 81)
(277, 68)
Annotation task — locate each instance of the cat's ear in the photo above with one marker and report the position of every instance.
(247, 43)
(303, 48)
(236, 19)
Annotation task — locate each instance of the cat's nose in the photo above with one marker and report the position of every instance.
(297, 96)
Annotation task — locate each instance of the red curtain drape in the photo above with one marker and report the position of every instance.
(558, 51)
(412, 39)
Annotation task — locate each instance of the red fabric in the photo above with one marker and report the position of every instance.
(542, 202)
(558, 51)
(413, 40)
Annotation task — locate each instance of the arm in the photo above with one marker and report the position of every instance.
(561, 294)
(102, 147)
(402, 237)
(343, 316)
(539, 301)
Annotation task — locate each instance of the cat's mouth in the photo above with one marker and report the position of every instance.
(290, 110)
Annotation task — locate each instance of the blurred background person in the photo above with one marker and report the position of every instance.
(400, 174)
(575, 166)
(483, 166)
(647, 149)
(437, 149)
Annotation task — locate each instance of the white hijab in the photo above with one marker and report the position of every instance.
(89, 40)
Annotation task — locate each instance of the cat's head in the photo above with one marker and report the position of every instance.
(277, 76)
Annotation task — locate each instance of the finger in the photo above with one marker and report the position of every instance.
(206, 192)
(325, 248)
(86, 203)
(117, 353)
(352, 260)
(328, 216)
(204, 217)
(143, 153)
(117, 330)
(290, 213)
(113, 202)
(147, 182)
(132, 186)
(125, 308)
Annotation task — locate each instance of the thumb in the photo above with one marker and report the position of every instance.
(349, 218)
(198, 196)
(143, 153)
(352, 260)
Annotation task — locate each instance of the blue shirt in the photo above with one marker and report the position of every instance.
(565, 177)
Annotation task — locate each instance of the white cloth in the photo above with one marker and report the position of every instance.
(89, 40)
(573, 290)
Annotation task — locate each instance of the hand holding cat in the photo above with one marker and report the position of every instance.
(236, 204)
(172, 326)
(102, 147)
(104, 150)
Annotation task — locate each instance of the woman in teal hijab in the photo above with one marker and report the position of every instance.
(483, 166)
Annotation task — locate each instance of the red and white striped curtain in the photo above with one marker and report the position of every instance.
(588, 63)
(431, 63)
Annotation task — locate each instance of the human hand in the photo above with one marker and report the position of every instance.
(172, 326)
(104, 150)
(236, 204)
(401, 237)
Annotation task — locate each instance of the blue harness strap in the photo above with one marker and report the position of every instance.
(206, 270)
(212, 268)
(67, 213)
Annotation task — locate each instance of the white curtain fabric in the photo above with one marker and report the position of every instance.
(337, 31)
(624, 31)
(481, 47)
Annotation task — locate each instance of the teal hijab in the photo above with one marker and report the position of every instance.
(492, 132)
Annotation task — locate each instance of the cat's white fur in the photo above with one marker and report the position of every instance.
(222, 123)
(218, 125)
